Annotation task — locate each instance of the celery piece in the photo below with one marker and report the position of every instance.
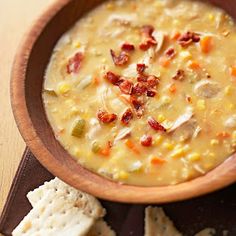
(78, 128)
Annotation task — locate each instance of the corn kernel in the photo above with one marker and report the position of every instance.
(214, 142)
(231, 107)
(186, 55)
(78, 45)
(123, 175)
(110, 6)
(104, 60)
(211, 155)
(234, 135)
(166, 99)
(69, 103)
(176, 22)
(194, 157)
(178, 153)
(157, 4)
(168, 146)
(201, 104)
(63, 88)
(161, 118)
(211, 17)
(76, 152)
(158, 140)
(228, 90)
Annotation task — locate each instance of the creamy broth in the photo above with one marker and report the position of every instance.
(143, 92)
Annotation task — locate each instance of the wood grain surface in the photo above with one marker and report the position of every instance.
(15, 17)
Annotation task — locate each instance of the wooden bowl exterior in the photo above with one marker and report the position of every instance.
(26, 85)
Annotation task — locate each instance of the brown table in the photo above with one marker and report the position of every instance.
(15, 17)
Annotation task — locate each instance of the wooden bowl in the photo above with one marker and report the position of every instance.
(26, 85)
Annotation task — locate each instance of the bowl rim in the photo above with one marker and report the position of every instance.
(221, 176)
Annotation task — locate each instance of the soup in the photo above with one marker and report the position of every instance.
(143, 92)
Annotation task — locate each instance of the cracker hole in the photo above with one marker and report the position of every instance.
(63, 225)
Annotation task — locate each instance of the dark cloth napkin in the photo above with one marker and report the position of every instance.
(217, 210)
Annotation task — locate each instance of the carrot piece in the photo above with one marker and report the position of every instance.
(164, 61)
(223, 135)
(233, 70)
(131, 146)
(176, 35)
(157, 161)
(206, 44)
(172, 88)
(105, 151)
(194, 65)
(96, 81)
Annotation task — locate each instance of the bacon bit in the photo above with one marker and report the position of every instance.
(74, 63)
(109, 144)
(131, 146)
(139, 89)
(152, 81)
(138, 106)
(223, 135)
(176, 35)
(126, 87)
(147, 30)
(170, 53)
(172, 88)
(142, 78)
(149, 40)
(127, 47)
(164, 61)
(180, 75)
(127, 116)
(148, 43)
(155, 125)
(146, 140)
(112, 78)
(141, 68)
(105, 117)
(157, 161)
(188, 38)
(120, 60)
(206, 44)
(151, 93)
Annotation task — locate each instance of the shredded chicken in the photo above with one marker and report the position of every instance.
(231, 122)
(207, 89)
(124, 133)
(160, 38)
(182, 119)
